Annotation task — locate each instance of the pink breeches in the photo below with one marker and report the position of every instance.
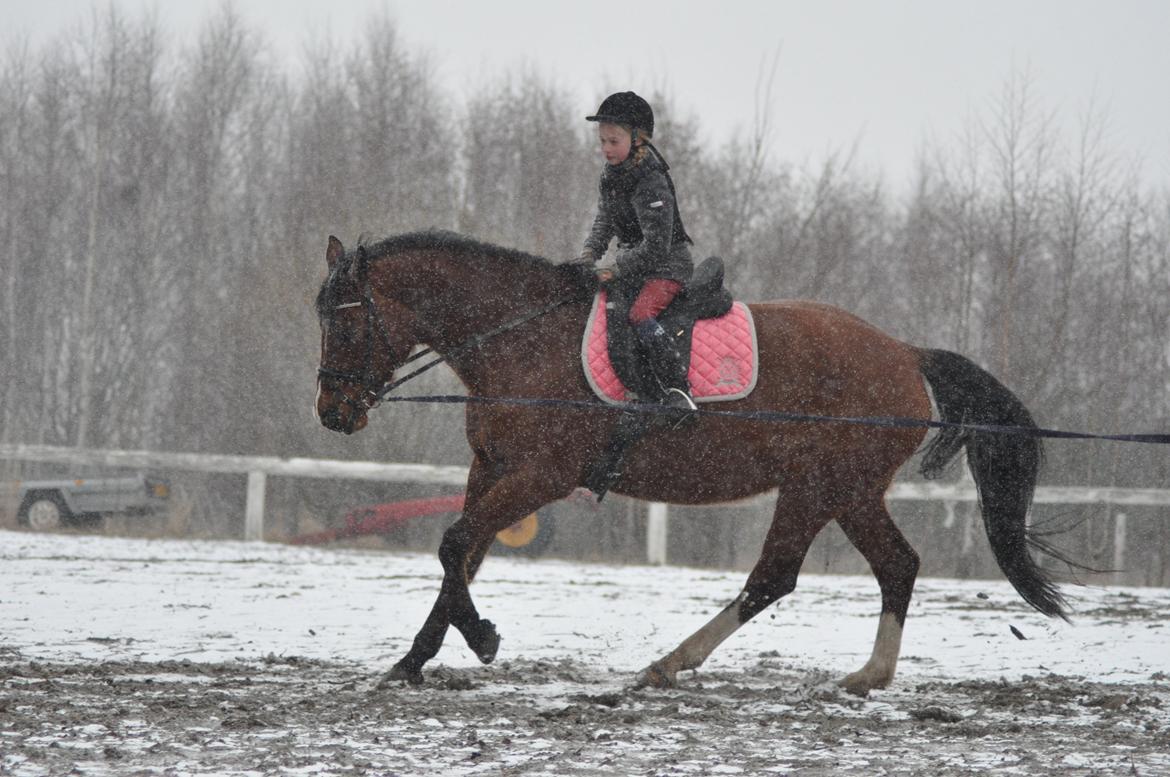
(655, 295)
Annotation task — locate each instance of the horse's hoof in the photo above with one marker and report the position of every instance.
(487, 642)
(655, 676)
(856, 684)
(400, 674)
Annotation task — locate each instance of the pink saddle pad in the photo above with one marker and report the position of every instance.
(724, 357)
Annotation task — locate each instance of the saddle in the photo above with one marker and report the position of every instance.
(714, 334)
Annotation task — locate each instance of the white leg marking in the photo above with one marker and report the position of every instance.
(879, 670)
(694, 649)
(888, 644)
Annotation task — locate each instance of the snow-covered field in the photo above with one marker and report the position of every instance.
(124, 656)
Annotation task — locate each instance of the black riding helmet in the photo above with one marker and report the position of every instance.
(626, 108)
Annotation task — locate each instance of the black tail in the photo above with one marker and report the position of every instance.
(1005, 466)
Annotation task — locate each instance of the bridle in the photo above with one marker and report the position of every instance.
(371, 394)
(371, 391)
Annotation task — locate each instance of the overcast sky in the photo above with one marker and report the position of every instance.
(886, 74)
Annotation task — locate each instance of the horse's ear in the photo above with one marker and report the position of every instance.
(334, 252)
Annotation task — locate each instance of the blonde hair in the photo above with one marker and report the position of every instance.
(642, 134)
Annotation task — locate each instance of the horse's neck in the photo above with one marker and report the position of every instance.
(456, 300)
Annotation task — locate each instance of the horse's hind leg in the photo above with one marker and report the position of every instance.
(796, 522)
(895, 565)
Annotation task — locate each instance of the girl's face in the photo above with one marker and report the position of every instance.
(615, 143)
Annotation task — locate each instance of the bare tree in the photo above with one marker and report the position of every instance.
(528, 182)
(47, 202)
(403, 137)
(961, 219)
(734, 197)
(1021, 144)
(1085, 198)
(216, 83)
(16, 120)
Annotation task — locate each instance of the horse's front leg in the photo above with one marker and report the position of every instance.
(429, 639)
(506, 499)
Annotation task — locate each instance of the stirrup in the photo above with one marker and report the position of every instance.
(677, 398)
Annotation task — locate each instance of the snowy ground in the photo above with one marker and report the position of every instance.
(122, 656)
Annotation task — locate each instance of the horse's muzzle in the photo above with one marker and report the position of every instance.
(341, 418)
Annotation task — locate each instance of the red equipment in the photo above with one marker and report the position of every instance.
(382, 518)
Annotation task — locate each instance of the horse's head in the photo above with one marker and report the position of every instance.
(364, 338)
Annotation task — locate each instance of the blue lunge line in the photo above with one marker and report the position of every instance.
(895, 422)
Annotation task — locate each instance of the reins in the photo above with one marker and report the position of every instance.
(467, 345)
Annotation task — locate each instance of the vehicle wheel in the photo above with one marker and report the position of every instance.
(43, 512)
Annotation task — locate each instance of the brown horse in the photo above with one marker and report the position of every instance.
(510, 326)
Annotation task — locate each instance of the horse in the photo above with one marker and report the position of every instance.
(509, 324)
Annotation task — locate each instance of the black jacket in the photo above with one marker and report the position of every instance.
(637, 205)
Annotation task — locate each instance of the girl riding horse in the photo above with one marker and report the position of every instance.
(535, 429)
(637, 204)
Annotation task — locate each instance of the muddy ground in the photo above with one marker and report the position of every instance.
(290, 715)
(132, 657)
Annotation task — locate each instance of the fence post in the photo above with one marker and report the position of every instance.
(254, 510)
(656, 533)
(1119, 521)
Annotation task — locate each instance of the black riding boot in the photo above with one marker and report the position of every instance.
(667, 364)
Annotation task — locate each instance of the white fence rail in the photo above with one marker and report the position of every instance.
(257, 468)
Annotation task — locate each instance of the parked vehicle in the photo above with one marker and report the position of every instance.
(51, 504)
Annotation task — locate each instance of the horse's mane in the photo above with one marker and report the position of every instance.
(451, 242)
(577, 277)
